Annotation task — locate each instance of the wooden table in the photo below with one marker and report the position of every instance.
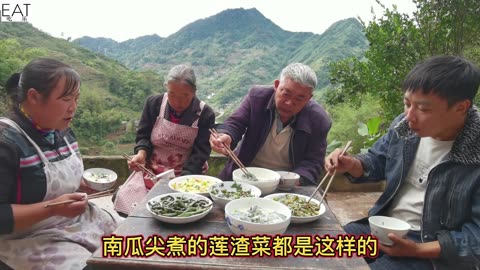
(141, 223)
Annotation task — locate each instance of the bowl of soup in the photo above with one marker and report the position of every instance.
(266, 180)
(99, 179)
(251, 216)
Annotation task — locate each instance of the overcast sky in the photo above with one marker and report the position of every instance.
(122, 20)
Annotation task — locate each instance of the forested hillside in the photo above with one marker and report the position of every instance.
(112, 96)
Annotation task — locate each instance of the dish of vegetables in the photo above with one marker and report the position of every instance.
(222, 193)
(193, 183)
(234, 191)
(179, 207)
(301, 211)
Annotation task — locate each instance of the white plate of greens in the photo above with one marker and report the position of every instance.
(179, 207)
(301, 212)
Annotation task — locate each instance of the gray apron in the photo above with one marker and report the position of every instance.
(57, 242)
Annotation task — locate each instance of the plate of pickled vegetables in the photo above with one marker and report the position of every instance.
(198, 184)
(301, 211)
(179, 208)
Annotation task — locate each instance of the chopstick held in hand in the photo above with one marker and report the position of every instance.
(141, 166)
(331, 177)
(232, 155)
(91, 196)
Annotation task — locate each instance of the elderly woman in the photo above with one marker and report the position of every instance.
(40, 164)
(173, 134)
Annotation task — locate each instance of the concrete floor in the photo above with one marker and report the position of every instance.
(347, 206)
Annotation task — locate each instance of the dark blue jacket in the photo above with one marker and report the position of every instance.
(451, 211)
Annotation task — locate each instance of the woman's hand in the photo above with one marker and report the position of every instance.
(84, 188)
(69, 209)
(139, 158)
(217, 143)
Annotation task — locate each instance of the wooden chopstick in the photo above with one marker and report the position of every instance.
(231, 153)
(327, 187)
(318, 187)
(91, 196)
(331, 177)
(141, 166)
(108, 191)
(99, 196)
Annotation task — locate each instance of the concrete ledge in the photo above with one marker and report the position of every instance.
(341, 183)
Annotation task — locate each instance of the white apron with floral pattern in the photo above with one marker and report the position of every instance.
(172, 145)
(57, 242)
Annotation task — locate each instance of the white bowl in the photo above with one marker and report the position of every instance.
(176, 219)
(381, 226)
(287, 180)
(222, 193)
(239, 226)
(297, 218)
(267, 180)
(99, 179)
(197, 184)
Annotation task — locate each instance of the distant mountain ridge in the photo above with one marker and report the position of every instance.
(235, 49)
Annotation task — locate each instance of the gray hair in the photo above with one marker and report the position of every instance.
(300, 73)
(182, 73)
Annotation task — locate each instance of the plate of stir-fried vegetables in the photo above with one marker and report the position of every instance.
(179, 208)
(301, 211)
(197, 184)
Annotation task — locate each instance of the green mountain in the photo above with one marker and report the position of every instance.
(234, 50)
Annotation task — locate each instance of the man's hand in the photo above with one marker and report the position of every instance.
(407, 248)
(401, 247)
(218, 143)
(343, 163)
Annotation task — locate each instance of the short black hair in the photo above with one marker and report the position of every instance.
(450, 77)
